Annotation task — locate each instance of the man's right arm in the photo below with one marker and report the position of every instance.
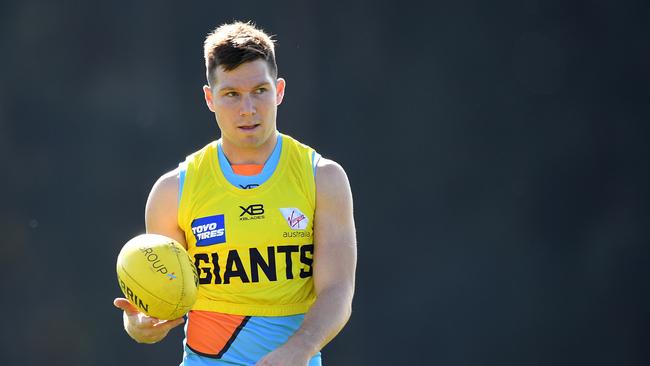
(161, 214)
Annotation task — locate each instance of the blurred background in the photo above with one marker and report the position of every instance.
(498, 154)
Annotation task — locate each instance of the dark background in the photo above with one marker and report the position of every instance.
(498, 155)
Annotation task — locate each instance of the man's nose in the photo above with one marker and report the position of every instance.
(247, 106)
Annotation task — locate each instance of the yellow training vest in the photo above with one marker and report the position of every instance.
(253, 248)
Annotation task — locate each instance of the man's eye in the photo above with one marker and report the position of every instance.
(231, 94)
(260, 90)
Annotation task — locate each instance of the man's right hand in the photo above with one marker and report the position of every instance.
(143, 328)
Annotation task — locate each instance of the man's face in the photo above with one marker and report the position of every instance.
(244, 101)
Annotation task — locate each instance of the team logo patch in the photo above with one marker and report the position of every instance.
(209, 230)
(296, 219)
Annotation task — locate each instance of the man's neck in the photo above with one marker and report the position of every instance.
(249, 155)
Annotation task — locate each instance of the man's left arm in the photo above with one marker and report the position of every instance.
(335, 259)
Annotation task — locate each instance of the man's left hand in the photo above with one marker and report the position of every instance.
(285, 356)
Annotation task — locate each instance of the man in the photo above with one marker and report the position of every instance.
(267, 221)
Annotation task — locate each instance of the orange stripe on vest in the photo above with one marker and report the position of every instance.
(247, 169)
(210, 333)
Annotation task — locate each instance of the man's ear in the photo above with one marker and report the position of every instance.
(280, 86)
(207, 94)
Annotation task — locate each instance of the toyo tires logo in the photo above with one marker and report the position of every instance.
(209, 230)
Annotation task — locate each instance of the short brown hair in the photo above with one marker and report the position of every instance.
(233, 44)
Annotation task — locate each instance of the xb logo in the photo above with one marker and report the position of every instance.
(249, 186)
(252, 210)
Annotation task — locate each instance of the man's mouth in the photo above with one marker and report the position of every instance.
(249, 127)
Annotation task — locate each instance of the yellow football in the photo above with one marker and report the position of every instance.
(157, 275)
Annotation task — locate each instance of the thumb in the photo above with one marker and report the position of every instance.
(125, 305)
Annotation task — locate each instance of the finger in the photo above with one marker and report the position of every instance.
(125, 305)
(169, 324)
(150, 320)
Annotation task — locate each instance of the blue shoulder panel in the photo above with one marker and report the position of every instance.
(181, 180)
